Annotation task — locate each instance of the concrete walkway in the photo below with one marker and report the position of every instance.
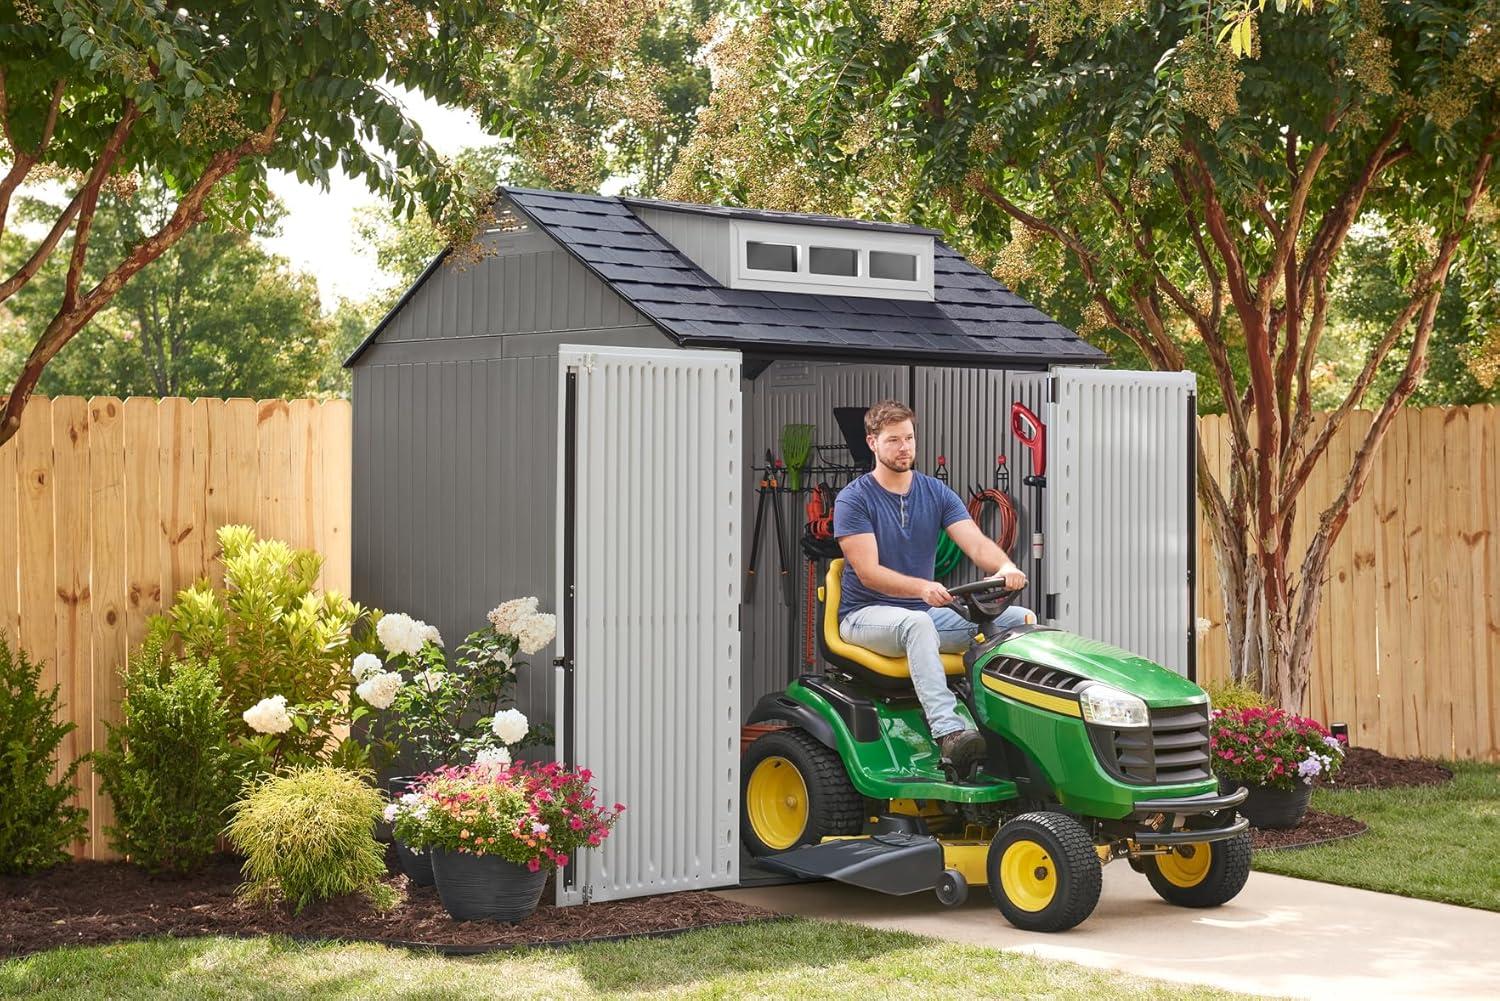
(1280, 936)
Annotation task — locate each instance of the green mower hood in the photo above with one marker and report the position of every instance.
(1095, 661)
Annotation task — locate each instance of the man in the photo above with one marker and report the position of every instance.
(887, 523)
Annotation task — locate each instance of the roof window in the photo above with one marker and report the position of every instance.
(830, 260)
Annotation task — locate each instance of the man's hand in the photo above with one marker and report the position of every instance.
(1012, 576)
(936, 595)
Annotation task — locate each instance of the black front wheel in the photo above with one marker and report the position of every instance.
(1201, 875)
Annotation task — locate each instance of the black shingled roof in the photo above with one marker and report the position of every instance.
(974, 319)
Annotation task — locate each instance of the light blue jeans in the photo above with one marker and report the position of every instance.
(921, 635)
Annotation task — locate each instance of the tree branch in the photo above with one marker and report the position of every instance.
(1427, 290)
(67, 323)
(21, 160)
(90, 202)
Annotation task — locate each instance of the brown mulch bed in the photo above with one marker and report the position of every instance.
(1367, 768)
(90, 903)
(1316, 828)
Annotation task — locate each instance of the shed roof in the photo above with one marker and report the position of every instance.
(972, 320)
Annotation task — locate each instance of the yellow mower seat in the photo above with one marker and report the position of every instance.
(844, 654)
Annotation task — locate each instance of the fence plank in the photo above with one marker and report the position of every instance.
(1363, 528)
(10, 547)
(1489, 698)
(211, 426)
(272, 517)
(108, 579)
(298, 492)
(38, 582)
(243, 497)
(183, 485)
(70, 608)
(334, 492)
(142, 529)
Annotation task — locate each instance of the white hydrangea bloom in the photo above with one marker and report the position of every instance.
(508, 615)
(390, 813)
(269, 715)
(380, 691)
(366, 666)
(430, 681)
(536, 631)
(400, 633)
(510, 725)
(430, 634)
(495, 757)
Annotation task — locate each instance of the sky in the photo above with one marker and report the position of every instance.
(317, 234)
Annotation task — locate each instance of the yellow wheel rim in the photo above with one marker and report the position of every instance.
(1186, 866)
(776, 799)
(1028, 875)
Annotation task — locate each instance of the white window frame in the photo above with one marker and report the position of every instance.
(744, 231)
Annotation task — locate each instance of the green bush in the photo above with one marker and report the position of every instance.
(274, 635)
(169, 768)
(309, 835)
(37, 823)
(1234, 695)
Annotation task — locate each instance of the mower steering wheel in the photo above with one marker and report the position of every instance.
(982, 601)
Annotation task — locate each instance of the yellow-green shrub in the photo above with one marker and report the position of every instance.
(1234, 695)
(309, 835)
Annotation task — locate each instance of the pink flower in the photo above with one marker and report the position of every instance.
(534, 864)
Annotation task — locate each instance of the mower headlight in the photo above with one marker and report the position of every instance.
(1111, 707)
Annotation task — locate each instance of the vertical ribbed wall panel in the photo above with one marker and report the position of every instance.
(791, 393)
(1119, 517)
(656, 660)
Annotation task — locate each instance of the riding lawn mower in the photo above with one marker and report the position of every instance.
(1092, 755)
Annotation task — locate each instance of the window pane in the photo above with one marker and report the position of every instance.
(770, 256)
(896, 267)
(833, 261)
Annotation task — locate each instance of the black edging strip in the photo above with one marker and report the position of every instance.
(1313, 844)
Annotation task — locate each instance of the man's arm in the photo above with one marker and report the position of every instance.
(864, 556)
(986, 555)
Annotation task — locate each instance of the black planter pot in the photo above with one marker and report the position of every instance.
(485, 887)
(416, 865)
(1270, 807)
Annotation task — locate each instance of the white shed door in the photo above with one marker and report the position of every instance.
(1120, 515)
(648, 653)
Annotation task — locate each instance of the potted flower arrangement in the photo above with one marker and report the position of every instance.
(496, 829)
(1276, 755)
(442, 715)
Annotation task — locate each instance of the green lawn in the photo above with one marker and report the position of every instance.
(802, 959)
(1434, 842)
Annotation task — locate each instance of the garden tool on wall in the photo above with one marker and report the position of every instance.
(1032, 434)
(796, 448)
(783, 557)
(818, 544)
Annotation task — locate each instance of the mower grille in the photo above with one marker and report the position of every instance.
(1173, 749)
(1036, 676)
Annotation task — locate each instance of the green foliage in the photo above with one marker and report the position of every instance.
(169, 768)
(37, 822)
(1234, 695)
(214, 316)
(269, 630)
(309, 835)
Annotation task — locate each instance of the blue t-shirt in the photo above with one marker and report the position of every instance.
(906, 528)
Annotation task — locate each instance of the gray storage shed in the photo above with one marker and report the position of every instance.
(580, 413)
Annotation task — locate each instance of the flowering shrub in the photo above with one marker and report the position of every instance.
(533, 815)
(446, 714)
(1271, 747)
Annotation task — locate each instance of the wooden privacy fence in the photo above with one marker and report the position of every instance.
(1408, 640)
(109, 508)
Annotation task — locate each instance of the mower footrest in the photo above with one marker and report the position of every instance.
(895, 863)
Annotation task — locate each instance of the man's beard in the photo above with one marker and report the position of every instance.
(897, 465)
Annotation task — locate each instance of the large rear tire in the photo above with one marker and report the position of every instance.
(1201, 875)
(794, 791)
(1043, 871)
